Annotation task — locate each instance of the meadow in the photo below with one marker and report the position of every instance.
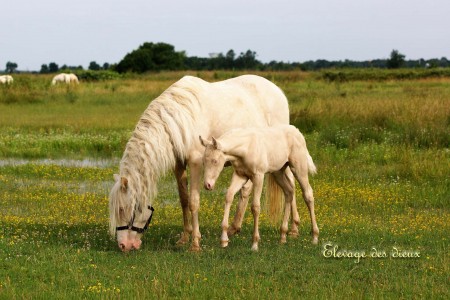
(381, 146)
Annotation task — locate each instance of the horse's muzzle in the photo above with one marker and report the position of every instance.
(209, 186)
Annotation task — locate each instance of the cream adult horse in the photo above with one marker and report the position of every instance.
(6, 79)
(65, 78)
(252, 153)
(166, 138)
(72, 78)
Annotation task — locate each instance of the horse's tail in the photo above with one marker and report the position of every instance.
(311, 166)
(275, 196)
(274, 200)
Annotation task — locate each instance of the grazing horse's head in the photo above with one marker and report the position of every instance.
(213, 162)
(128, 218)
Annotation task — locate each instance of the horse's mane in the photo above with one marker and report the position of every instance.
(162, 137)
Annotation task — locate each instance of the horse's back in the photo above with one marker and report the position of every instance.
(244, 101)
(260, 93)
(6, 79)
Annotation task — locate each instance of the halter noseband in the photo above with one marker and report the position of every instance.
(137, 229)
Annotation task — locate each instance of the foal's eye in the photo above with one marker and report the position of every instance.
(214, 161)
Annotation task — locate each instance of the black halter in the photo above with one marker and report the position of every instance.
(137, 229)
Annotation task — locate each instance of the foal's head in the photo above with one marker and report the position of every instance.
(213, 162)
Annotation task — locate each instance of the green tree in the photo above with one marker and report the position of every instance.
(229, 59)
(396, 60)
(44, 69)
(152, 57)
(93, 66)
(247, 61)
(11, 67)
(53, 67)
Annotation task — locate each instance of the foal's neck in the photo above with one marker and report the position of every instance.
(235, 147)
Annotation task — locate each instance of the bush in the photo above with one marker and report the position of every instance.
(97, 75)
(381, 74)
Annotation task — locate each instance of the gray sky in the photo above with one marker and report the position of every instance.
(70, 32)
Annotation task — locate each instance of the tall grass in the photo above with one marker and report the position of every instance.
(411, 112)
(414, 113)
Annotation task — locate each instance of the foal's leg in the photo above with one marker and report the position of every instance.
(258, 180)
(241, 207)
(300, 170)
(236, 183)
(181, 176)
(295, 217)
(288, 189)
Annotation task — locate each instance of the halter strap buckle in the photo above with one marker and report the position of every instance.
(137, 229)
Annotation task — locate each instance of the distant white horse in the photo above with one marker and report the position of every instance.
(166, 138)
(252, 153)
(6, 79)
(65, 78)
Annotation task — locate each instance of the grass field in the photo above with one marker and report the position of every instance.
(382, 197)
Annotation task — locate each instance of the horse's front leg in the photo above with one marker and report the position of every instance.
(244, 195)
(258, 181)
(194, 201)
(236, 183)
(181, 176)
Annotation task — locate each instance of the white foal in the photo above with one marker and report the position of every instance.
(253, 152)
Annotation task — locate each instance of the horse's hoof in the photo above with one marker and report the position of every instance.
(293, 234)
(184, 239)
(224, 244)
(195, 249)
(182, 242)
(315, 241)
(233, 231)
(255, 247)
(283, 240)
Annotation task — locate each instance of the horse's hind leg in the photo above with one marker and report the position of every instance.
(241, 207)
(294, 212)
(288, 189)
(181, 176)
(300, 170)
(258, 181)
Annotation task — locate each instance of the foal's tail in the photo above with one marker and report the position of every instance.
(275, 197)
(274, 200)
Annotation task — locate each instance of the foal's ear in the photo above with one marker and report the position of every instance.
(202, 141)
(123, 184)
(216, 144)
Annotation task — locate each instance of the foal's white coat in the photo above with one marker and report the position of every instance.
(65, 78)
(252, 153)
(6, 79)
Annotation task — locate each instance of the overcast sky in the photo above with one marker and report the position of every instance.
(70, 32)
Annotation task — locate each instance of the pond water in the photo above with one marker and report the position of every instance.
(87, 162)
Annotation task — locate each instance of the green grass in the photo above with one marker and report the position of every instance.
(381, 148)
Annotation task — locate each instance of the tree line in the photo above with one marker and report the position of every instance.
(162, 56)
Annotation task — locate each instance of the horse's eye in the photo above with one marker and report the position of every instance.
(214, 162)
